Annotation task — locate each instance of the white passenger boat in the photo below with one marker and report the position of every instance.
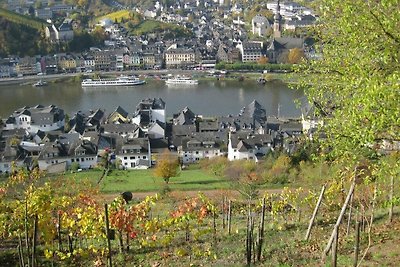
(40, 84)
(120, 81)
(181, 80)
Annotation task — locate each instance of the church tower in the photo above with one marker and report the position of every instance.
(277, 21)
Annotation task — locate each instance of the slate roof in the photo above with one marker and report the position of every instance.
(184, 117)
(245, 141)
(286, 43)
(121, 111)
(254, 110)
(119, 128)
(207, 126)
(151, 103)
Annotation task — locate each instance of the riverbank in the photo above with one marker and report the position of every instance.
(201, 75)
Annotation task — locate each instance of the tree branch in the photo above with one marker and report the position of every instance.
(390, 35)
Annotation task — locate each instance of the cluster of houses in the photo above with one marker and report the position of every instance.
(214, 40)
(44, 136)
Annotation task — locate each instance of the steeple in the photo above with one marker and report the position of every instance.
(277, 21)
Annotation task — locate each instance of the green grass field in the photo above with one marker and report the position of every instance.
(144, 181)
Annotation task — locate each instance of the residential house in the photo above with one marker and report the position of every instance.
(179, 58)
(156, 130)
(149, 60)
(134, 153)
(200, 146)
(119, 115)
(63, 33)
(248, 146)
(67, 63)
(33, 119)
(184, 117)
(89, 62)
(104, 60)
(84, 122)
(27, 66)
(250, 51)
(149, 111)
(67, 150)
(125, 130)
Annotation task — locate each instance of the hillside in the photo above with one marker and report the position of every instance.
(35, 23)
(20, 39)
(152, 26)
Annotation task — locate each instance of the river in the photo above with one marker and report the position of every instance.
(208, 98)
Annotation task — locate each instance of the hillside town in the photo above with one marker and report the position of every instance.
(46, 137)
(209, 32)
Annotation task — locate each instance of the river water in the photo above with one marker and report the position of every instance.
(208, 98)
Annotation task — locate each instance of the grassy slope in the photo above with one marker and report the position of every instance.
(22, 19)
(144, 181)
(115, 15)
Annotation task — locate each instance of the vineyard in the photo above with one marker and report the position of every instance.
(64, 223)
(22, 19)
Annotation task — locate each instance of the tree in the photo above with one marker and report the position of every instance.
(295, 55)
(167, 166)
(356, 83)
(263, 60)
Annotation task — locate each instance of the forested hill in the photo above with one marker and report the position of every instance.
(35, 23)
(20, 39)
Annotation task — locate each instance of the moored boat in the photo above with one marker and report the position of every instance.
(120, 81)
(181, 80)
(39, 84)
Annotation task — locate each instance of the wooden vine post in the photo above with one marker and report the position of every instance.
(339, 219)
(391, 199)
(357, 244)
(335, 246)
(108, 235)
(34, 241)
(261, 233)
(229, 216)
(310, 225)
(59, 232)
(223, 212)
(27, 244)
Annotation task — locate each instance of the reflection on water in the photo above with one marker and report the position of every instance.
(208, 97)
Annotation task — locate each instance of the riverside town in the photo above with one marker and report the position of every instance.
(159, 133)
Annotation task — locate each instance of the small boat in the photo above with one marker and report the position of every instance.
(179, 80)
(39, 84)
(120, 81)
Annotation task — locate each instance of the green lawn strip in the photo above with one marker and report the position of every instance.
(144, 181)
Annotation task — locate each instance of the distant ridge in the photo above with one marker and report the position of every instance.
(22, 19)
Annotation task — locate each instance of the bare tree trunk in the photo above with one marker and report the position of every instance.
(310, 225)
